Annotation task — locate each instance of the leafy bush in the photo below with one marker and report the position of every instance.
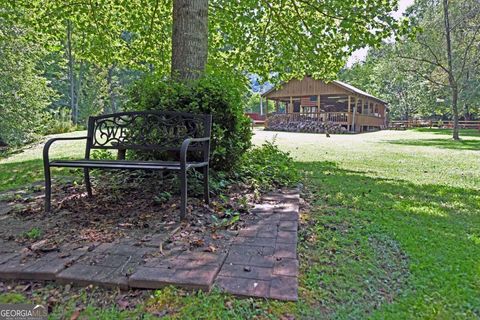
(59, 121)
(217, 95)
(24, 92)
(267, 167)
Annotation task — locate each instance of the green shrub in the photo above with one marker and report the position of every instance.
(219, 96)
(59, 121)
(267, 167)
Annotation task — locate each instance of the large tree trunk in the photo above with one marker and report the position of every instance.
(189, 38)
(451, 76)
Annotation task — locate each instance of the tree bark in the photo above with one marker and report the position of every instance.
(78, 91)
(451, 75)
(189, 38)
(111, 89)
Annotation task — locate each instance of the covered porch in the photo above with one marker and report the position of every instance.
(335, 103)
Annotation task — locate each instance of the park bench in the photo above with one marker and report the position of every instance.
(181, 139)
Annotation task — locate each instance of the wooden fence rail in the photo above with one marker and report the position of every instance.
(405, 124)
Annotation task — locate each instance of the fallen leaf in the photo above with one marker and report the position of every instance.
(211, 248)
(75, 315)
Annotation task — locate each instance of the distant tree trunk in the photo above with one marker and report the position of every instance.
(71, 77)
(78, 91)
(451, 77)
(111, 89)
(189, 38)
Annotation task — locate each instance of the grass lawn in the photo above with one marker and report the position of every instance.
(393, 231)
(26, 166)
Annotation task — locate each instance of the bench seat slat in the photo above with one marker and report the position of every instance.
(124, 164)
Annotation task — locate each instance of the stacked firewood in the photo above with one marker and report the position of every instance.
(282, 122)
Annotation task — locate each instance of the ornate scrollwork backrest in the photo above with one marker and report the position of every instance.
(147, 130)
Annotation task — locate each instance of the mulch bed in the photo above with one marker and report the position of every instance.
(131, 211)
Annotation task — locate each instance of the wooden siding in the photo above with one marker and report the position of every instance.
(306, 87)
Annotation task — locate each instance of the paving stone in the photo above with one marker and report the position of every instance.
(262, 208)
(284, 288)
(43, 269)
(245, 271)
(287, 237)
(12, 268)
(290, 216)
(288, 226)
(286, 267)
(198, 278)
(156, 240)
(108, 260)
(247, 232)
(5, 208)
(4, 257)
(255, 241)
(248, 250)
(237, 257)
(266, 227)
(203, 257)
(128, 250)
(105, 247)
(8, 247)
(273, 220)
(267, 234)
(286, 250)
(80, 274)
(151, 278)
(85, 275)
(243, 286)
(277, 197)
(260, 261)
(282, 197)
(287, 208)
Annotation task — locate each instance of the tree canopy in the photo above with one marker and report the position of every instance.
(421, 76)
(278, 39)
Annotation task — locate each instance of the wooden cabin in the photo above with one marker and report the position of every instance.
(336, 102)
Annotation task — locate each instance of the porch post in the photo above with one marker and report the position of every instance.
(354, 112)
(290, 107)
(348, 115)
(261, 105)
(266, 106)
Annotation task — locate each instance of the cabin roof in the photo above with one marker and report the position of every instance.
(340, 84)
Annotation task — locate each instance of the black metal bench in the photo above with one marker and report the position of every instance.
(177, 136)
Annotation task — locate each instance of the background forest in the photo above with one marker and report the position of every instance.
(57, 72)
(419, 77)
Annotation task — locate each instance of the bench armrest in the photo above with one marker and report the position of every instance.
(46, 147)
(184, 149)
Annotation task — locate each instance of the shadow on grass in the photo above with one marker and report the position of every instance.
(382, 244)
(18, 174)
(449, 132)
(440, 143)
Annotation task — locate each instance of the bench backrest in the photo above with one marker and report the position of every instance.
(147, 130)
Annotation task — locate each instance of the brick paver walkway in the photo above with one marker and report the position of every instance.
(261, 260)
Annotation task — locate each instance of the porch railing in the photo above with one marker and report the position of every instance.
(342, 118)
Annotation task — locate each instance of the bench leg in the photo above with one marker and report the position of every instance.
(48, 188)
(183, 187)
(206, 192)
(86, 174)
